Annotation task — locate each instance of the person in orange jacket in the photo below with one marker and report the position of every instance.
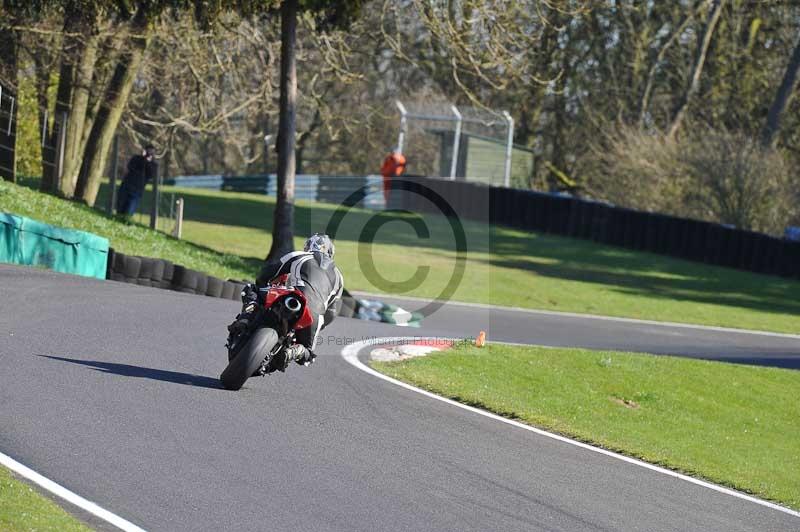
(394, 165)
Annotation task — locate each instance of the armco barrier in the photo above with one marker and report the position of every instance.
(312, 187)
(694, 240)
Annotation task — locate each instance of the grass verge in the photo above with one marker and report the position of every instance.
(734, 425)
(226, 234)
(23, 509)
(134, 239)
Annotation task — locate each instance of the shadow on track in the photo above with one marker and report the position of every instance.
(127, 370)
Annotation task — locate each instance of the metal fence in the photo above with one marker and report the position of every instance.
(310, 187)
(8, 133)
(462, 143)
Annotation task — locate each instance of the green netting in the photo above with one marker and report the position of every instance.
(26, 241)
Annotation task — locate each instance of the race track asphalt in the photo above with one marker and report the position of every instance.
(111, 390)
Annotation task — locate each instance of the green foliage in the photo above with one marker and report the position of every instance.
(29, 148)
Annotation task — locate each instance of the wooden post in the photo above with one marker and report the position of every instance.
(156, 199)
(178, 219)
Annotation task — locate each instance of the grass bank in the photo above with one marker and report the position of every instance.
(732, 424)
(227, 234)
(23, 509)
(134, 239)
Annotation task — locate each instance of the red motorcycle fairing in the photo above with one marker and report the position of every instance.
(277, 292)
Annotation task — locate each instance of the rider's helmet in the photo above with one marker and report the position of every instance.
(322, 243)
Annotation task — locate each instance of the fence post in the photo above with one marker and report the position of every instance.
(456, 143)
(403, 126)
(178, 218)
(10, 114)
(156, 199)
(509, 146)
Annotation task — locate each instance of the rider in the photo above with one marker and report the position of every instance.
(315, 274)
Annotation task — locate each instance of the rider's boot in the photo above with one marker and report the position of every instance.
(301, 354)
(249, 305)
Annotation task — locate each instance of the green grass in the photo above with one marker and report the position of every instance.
(23, 509)
(133, 239)
(732, 424)
(230, 233)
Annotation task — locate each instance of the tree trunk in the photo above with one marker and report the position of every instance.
(714, 12)
(768, 136)
(113, 104)
(72, 48)
(8, 77)
(79, 107)
(283, 221)
(48, 183)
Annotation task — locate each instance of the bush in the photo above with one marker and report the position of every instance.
(738, 182)
(640, 170)
(711, 175)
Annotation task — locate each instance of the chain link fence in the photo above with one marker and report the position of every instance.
(462, 143)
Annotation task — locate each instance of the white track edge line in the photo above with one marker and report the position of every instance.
(588, 316)
(67, 495)
(350, 354)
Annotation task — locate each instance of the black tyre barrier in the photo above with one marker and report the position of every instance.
(131, 266)
(214, 287)
(157, 274)
(112, 256)
(164, 274)
(229, 290)
(147, 268)
(202, 283)
(238, 286)
(184, 279)
(169, 271)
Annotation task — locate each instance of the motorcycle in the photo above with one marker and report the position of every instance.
(263, 346)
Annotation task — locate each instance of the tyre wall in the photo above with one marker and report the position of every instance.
(160, 273)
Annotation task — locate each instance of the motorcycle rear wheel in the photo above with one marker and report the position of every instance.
(249, 358)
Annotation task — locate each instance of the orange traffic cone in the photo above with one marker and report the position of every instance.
(480, 341)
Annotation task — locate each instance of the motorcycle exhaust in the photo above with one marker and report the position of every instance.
(292, 304)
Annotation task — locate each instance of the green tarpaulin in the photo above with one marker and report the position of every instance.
(26, 241)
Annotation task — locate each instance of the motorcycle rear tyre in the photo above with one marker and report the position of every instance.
(249, 358)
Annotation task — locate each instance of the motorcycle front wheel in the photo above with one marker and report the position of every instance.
(249, 358)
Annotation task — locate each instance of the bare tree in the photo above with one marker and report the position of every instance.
(714, 12)
(785, 91)
(283, 218)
